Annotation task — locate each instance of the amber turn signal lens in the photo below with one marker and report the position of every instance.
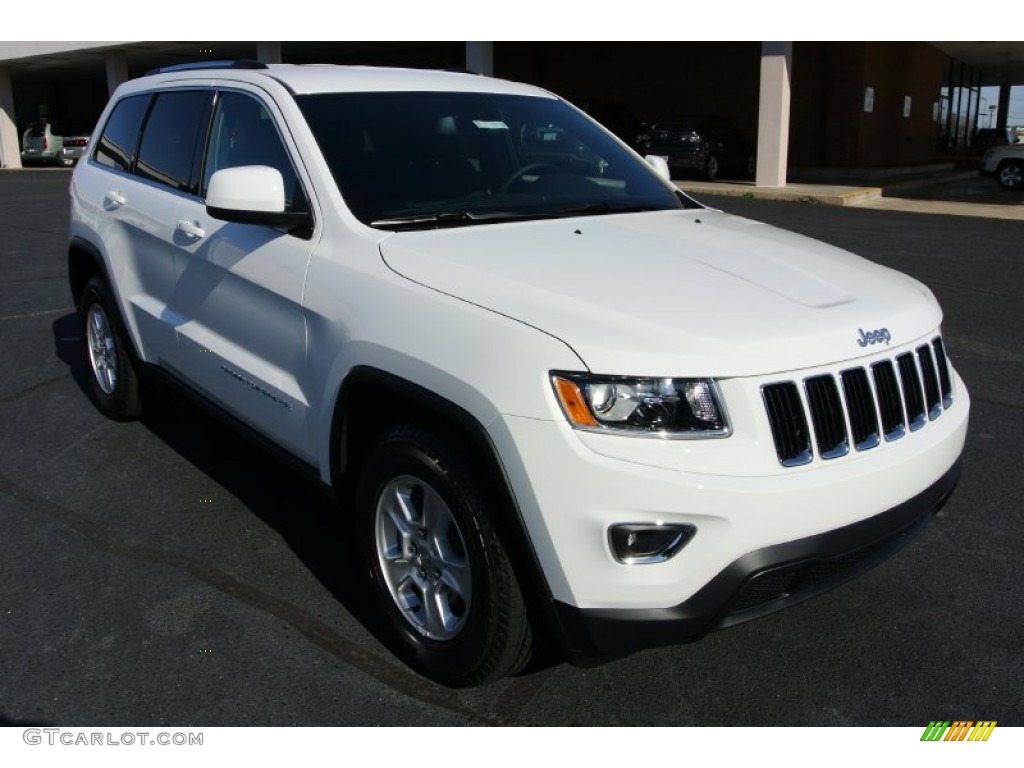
(572, 403)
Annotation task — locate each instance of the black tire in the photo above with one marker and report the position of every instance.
(451, 550)
(110, 362)
(1011, 175)
(712, 167)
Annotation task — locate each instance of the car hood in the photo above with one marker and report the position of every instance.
(680, 293)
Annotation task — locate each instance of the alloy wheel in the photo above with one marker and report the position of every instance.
(102, 349)
(422, 556)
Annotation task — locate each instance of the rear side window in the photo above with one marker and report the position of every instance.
(175, 126)
(116, 146)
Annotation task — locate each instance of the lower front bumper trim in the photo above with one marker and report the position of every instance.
(759, 583)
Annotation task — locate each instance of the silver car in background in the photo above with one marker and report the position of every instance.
(41, 145)
(72, 150)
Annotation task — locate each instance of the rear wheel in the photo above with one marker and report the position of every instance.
(113, 377)
(1011, 174)
(443, 579)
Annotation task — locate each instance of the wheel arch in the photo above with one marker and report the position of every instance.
(370, 400)
(84, 262)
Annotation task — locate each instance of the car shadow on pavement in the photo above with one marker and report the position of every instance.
(308, 519)
(312, 524)
(6, 721)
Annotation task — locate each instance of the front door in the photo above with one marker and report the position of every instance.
(241, 336)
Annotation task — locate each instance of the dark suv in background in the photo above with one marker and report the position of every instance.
(707, 144)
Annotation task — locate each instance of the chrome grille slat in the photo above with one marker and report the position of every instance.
(913, 397)
(858, 405)
(789, 424)
(933, 401)
(944, 381)
(890, 404)
(827, 417)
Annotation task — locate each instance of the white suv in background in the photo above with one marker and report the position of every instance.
(560, 397)
(1006, 165)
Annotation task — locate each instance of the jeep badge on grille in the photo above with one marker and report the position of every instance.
(874, 337)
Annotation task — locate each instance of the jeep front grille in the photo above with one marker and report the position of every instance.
(865, 407)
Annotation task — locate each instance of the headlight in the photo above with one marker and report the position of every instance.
(660, 407)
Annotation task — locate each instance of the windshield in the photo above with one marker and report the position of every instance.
(423, 160)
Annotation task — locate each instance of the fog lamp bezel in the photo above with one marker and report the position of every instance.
(684, 535)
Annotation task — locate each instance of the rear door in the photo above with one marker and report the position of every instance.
(147, 163)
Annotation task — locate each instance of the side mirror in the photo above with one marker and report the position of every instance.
(660, 166)
(251, 194)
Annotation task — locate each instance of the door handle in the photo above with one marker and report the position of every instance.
(191, 228)
(113, 200)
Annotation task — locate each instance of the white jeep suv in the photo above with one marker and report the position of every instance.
(560, 397)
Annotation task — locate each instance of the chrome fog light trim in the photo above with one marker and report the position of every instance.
(648, 543)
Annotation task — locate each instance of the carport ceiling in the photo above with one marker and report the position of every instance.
(1000, 63)
(141, 56)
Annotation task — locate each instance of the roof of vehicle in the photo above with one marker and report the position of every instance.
(333, 78)
(694, 118)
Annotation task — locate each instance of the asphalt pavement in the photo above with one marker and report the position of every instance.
(165, 572)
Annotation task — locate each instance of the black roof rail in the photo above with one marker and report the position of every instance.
(219, 64)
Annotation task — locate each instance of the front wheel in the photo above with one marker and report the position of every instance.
(711, 168)
(1011, 175)
(443, 579)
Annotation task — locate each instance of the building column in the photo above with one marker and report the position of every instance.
(480, 58)
(268, 53)
(773, 114)
(1004, 107)
(117, 71)
(10, 146)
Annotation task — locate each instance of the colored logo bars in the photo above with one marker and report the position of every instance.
(959, 730)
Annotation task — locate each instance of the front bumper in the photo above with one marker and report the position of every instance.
(766, 536)
(759, 583)
(679, 156)
(39, 155)
(73, 154)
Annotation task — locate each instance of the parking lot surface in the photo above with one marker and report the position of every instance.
(166, 572)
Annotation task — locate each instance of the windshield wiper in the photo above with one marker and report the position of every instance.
(605, 206)
(458, 219)
(444, 219)
(433, 220)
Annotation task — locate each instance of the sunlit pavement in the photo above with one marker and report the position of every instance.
(961, 193)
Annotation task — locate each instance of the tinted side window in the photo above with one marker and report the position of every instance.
(243, 133)
(116, 146)
(175, 126)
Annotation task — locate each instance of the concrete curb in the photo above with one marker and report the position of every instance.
(799, 193)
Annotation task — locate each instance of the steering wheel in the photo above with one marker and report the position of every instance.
(526, 169)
